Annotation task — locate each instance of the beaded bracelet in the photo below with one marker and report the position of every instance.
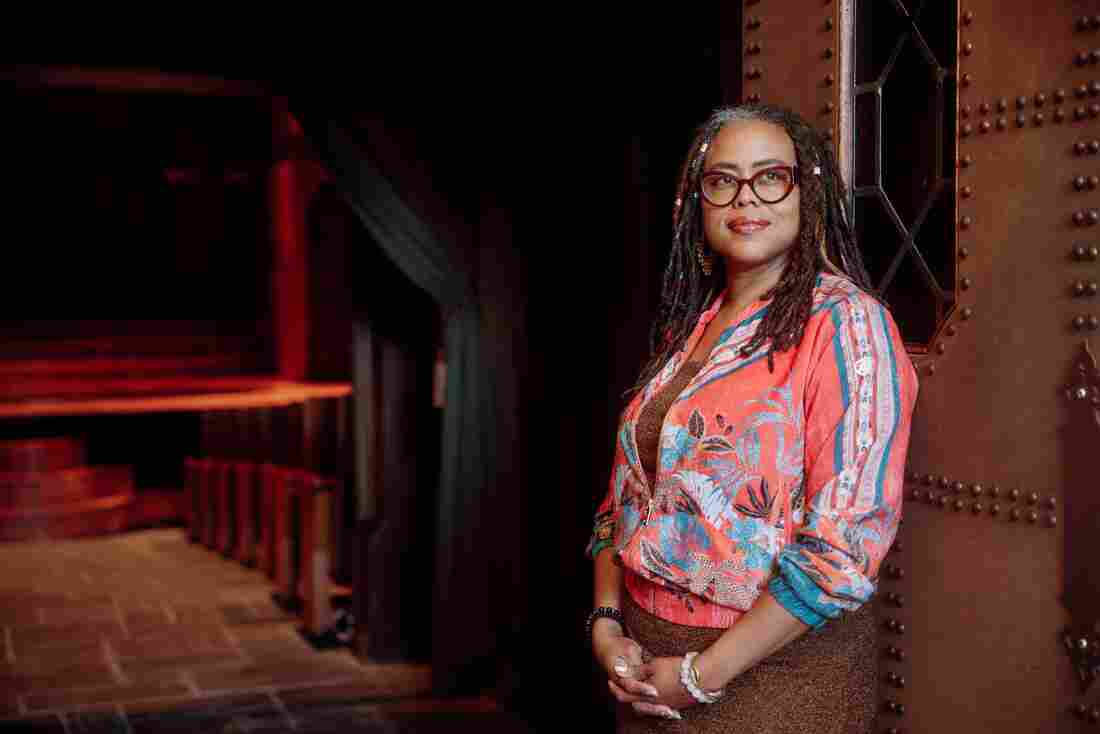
(689, 676)
(609, 612)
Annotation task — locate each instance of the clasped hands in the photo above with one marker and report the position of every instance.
(652, 688)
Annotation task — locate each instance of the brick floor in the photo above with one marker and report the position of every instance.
(146, 632)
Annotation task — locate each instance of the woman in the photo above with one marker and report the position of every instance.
(757, 479)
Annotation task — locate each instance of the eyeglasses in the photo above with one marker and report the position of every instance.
(771, 185)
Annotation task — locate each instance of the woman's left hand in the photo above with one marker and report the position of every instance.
(664, 675)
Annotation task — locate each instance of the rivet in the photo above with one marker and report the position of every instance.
(967, 79)
(1095, 22)
(1038, 118)
(1079, 113)
(1059, 115)
(829, 107)
(929, 480)
(1094, 216)
(1015, 514)
(828, 24)
(964, 252)
(951, 330)
(966, 161)
(966, 192)
(941, 348)
(968, 17)
(1094, 714)
(984, 126)
(995, 491)
(1094, 56)
(1021, 120)
(1083, 25)
(1002, 123)
(977, 508)
(915, 494)
(1080, 91)
(943, 502)
(754, 98)
(1040, 99)
(1033, 517)
(754, 73)
(965, 110)
(913, 476)
(828, 53)
(1079, 252)
(1002, 104)
(984, 108)
(995, 509)
(1094, 88)
(1079, 217)
(966, 129)
(1059, 95)
(1051, 502)
(959, 504)
(1052, 520)
(1033, 498)
(1094, 252)
(753, 24)
(965, 222)
(1092, 288)
(1094, 110)
(945, 482)
(1093, 182)
(754, 48)
(965, 283)
(1079, 322)
(1021, 102)
(932, 368)
(1080, 183)
(1014, 494)
(976, 490)
(1081, 58)
(1079, 288)
(829, 79)
(967, 313)
(1094, 323)
(968, 48)
(828, 134)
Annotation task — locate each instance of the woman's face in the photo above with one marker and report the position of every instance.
(750, 233)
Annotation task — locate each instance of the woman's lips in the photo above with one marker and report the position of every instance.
(748, 226)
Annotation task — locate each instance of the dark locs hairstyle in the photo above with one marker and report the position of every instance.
(825, 242)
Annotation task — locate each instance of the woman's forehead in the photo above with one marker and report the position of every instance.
(750, 140)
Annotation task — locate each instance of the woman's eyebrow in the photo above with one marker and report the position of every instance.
(757, 164)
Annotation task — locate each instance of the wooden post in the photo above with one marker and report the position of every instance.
(316, 560)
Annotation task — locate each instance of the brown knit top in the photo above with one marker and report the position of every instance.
(647, 432)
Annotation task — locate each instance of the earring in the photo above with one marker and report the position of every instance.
(821, 244)
(703, 257)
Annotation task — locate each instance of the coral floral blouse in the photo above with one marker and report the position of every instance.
(789, 481)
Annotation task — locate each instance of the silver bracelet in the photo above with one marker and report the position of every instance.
(687, 677)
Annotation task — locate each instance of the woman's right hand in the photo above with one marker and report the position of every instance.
(621, 658)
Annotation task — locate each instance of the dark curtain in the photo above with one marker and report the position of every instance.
(461, 573)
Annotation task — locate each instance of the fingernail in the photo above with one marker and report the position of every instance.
(651, 691)
(673, 714)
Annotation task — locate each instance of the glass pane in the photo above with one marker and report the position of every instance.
(911, 99)
(913, 305)
(936, 23)
(879, 28)
(911, 6)
(866, 133)
(877, 236)
(936, 239)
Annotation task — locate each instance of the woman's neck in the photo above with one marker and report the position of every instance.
(746, 285)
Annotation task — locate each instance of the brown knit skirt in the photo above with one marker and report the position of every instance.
(823, 682)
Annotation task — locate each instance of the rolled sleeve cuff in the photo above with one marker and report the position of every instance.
(783, 593)
(603, 536)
